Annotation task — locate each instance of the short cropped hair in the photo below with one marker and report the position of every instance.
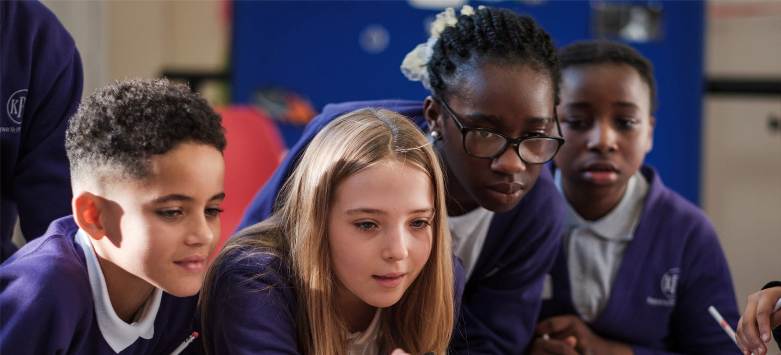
(121, 126)
(602, 52)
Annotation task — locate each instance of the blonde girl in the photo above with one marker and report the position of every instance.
(356, 260)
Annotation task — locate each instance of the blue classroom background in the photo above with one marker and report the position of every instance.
(314, 49)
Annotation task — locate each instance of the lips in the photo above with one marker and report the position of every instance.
(195, 263)
(600, 172)
(601, 166)
(507, 188)
(389, 280)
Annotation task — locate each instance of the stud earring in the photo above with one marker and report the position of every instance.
(435, 135)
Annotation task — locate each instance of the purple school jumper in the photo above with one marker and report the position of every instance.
(40, 88)
(47, 306)
(501, 299)
(672, 270)
(253, 305)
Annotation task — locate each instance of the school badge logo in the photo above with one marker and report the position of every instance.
(15, 106)
(669, 282)
(668, 285)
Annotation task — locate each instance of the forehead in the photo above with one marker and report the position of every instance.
(608, 81)
(508, 91)
(189, 169)
(387, 185)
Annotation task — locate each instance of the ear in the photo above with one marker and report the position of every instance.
(432, 113)
(651, 126)
(86, 211)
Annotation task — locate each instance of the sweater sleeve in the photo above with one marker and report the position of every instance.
(41, 177)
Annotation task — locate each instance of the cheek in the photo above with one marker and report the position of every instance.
(348, 253)
(420, 250)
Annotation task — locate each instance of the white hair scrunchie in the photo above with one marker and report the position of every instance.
(415, 63)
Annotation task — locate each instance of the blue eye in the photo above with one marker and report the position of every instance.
(420, 224)
(366, 225)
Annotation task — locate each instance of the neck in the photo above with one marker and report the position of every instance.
(457, 198)
(127, 292)
(593, 203)
(356, 314)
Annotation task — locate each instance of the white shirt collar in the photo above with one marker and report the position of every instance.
(620, 223)
(118, 334)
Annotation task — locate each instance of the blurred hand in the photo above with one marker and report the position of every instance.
(548, 346)
(758, 320)
(586, 342)
(399, 352)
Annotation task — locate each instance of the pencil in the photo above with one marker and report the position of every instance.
(185, 343)
(724, 325)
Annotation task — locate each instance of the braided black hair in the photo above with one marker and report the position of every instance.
(602, 52)
(493, 34)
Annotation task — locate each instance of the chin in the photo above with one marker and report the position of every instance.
(183, 290)
(383, 301)
(499, 206)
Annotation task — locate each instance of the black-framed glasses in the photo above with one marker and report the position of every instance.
(489, 144)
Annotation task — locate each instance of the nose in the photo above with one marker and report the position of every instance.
(395, 244)
(602, 138)
(509, 162)
(201, 231)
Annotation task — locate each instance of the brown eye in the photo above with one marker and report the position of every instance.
(169, 213)
(213, 212)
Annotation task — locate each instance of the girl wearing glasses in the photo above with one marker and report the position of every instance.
(639, 265)
(493, 78)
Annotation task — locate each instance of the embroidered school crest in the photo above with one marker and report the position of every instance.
(15, 106)
(669, 282)
(668, 285)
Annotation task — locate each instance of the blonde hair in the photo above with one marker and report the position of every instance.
(422, 320)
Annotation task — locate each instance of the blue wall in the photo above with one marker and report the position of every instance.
(313, 48)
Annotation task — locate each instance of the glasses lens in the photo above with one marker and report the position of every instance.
(483, 144)
(538, 150)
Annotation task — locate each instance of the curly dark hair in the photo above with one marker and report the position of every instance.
(122, 125)
(602, 52)
(494, 34)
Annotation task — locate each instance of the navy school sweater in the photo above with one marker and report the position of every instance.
(40, 88)
(47, 307)
(672, 270)
(502, 298)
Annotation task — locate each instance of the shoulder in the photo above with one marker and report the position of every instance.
(664, 204)
(243, 270)
(47, 276)
(35, 26)
(540, 213)
(49, 264)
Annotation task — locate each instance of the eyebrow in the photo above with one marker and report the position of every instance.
(586, 105)
(380, 212)
(180, 197)
(497, 121)
(625, 104)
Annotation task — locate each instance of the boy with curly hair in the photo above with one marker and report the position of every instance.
(121, 274)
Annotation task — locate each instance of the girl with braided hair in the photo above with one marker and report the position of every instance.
(493, 76)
